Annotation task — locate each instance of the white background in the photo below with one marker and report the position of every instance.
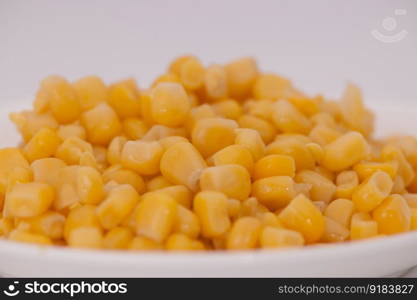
(319, 44)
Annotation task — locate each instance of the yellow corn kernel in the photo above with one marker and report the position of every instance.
(372, 192)
(118, 238)
(29, 123)
(6, 226)
(145, 106)
(362, 226)
(301, 215)
(156, 183)
(91, 90)
(303, 188)
(228, 108)
(158, 132)
(346, 183)
(334, 231)
(10, 158)
(232, 180)
(85, 237)
(323, 118)
(251, 140)
(323, 134)
(43, 144)
(244, 234)
(187, 222)
(274, 192)
(411, 199)
(66, 185)
(167, 77)
(197, 113)
(405, 170)
(266, 130)
(288, 119)
(274, 165)
(251, 207)
(179, 193)
(29, 199)
(215, 82)
(72, 149)
(408, 144)
(63, 99)
(19, 175)
(211, 209)
(141, 243)
(308, 106)
(194, 99)
(72, 130)
(182, 164)
(176, 65)
(241, 75)
(170, 104)
(41, 102)
(398, 186)
(296, 149)
(272, 237)
(181, 242)
(155, 217)
(50, 224)
(271, 86)
(134, 128)
(212, 134)
(114, 151)
(101, 123)
(259, 108)
(413, 221)
(393, 215)
(88, 159)
(316, 151)
(233, 207)
(90, 186)
(168, 141)
(123, 176)
(117, 206)
(27, 237)
(345, 151)
(321, 205)
(192, 73)
(124, 98)
(142, 156)
(83, 216)
(234, 154)
(269, 219)
(365, 169)
(322, 189)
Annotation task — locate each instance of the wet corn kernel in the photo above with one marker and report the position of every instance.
(271, 86)
(259, 108)
(145, 106)
(232, 180)
(393, 215)
(274, 192)
(72, 149)
(91, 90)
(211, 209)
(301, 215)
(27, 237)
(346, 182)
(362, 226)
(10, 158)
(251, 207)
(323, 134)
(365, 169)
(89, 185)
(101, 123)
(124, 176)
(29, 199)
(134, 128)
(308, 106)
(345, 151)
(86, 237)
(118, 238)
(241, 75)
(169, 104)
(411, 199)
(322, 189)
(197, 113)
(405, 170)
(179, 193)
(244, 234)
(182, 164)
(158, 132)
(72, 130)
(167, 77)
(114, 151)
(82, 216)
(266, 130)
(251, 140)
(181, 242)
(47, 170)
(269, 219)
(187, 222)
(215, 82)
(6, 226)
(228, 108)
(155, 217)
(141, 243)
(192, 73)
(233, 207)
(62, 99)
(28, 123)
(118, 204)
(234, 154)
(66, 187)
(156, 183)
(398, 186)
(42, 145)
(274, 165)
(272, 237)
(288, 119)
(142, 157)
(295, 148)
(124, 98)
(50, 224)
(334, 232)
(212, 134)
(316, 151)
(372, 192)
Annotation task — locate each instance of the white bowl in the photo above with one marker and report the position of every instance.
(376, 257)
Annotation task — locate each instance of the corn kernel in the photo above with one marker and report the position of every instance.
(280, 238)
(145, 106)
(179, 193)
(124, 98)
(228, 108)
(346, 183)
(322, 189)
(294, 148)
(393, 215)
(10, 158)
(266, 130)
(413, 221)
(192, 73)
(234, 154)
(211, 209)
(72, 149)
(86, 237)
(301, 215)
(181, 242)
(142, 157)
(215, 82)
(83, 216)
(118, 238)
(158, 132)
(232, 180)
(233, 207)
(244, 234)
(187, 222)
(241, 75)
(365, 169)
(123, 176)
(198, 113)
(29, 123)
(288, 119)
(271, 86)
(90, 186)
(372, 192)
(91, 90)
(323, 134)
(274, 165)
(168, 141)
(340, 210)
(251, 140)
(6, 226)
(134, 128)
(27, 237)
(141, 243)
(411, 199)
(114, 151)
(167, 77)
(269, 219)
(405, 170)
(42, 145)
(72, 130)
(49, 224)
(334, 232)
(274, 192)
(156, 183)
(259, 108)
(362, 226)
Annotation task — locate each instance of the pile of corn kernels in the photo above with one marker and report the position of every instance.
(208, 158)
